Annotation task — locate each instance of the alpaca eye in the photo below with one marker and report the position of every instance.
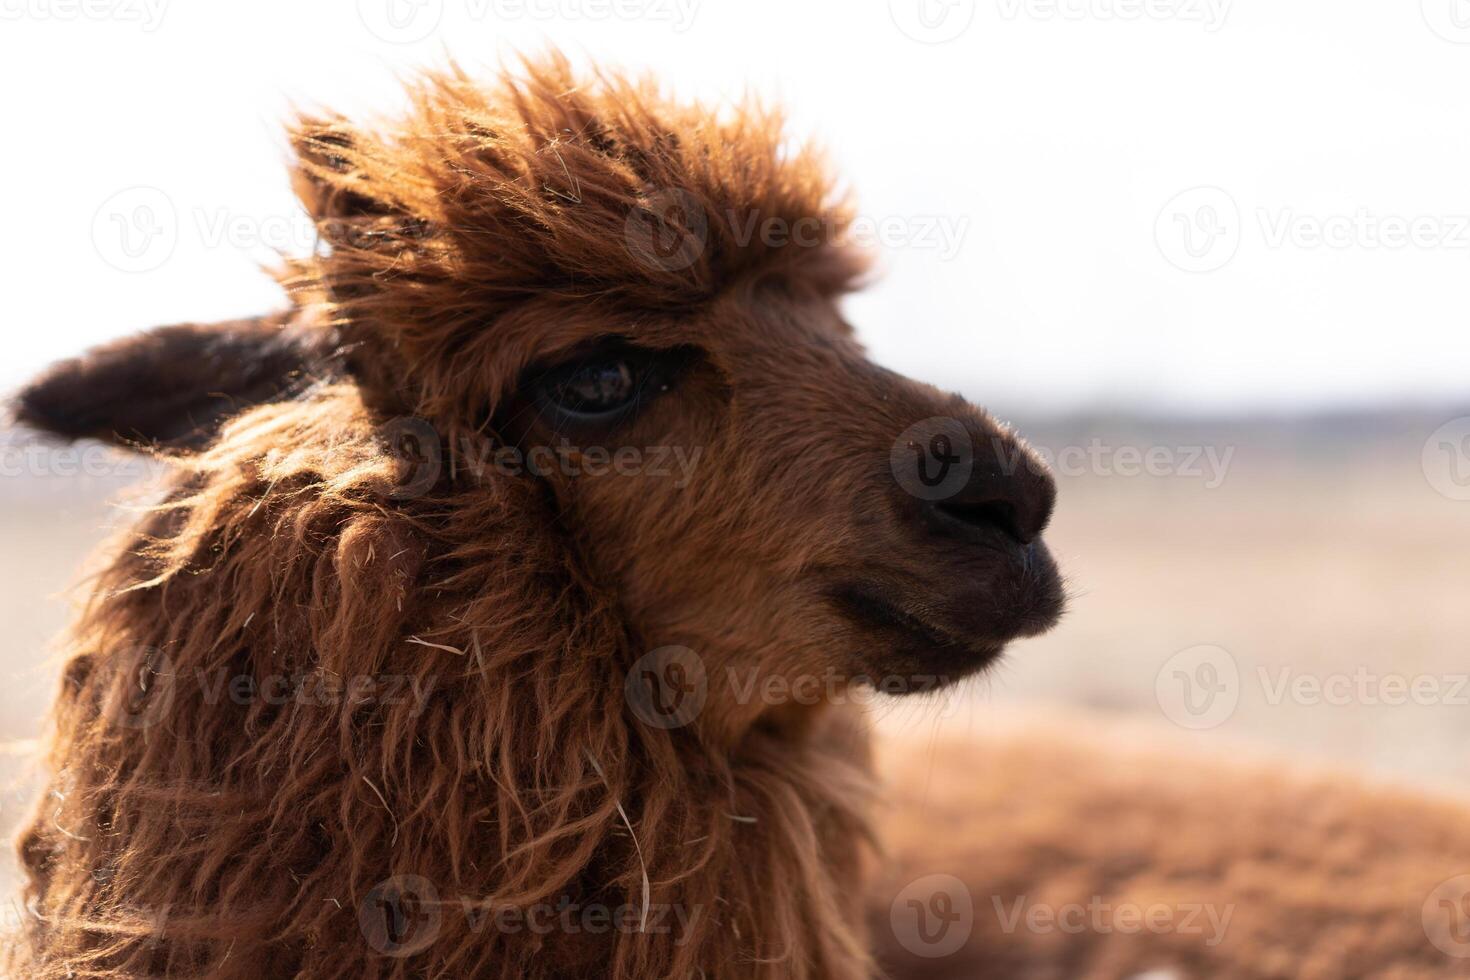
(607, 383)
(595, 388)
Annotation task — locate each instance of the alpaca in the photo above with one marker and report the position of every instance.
(430, 662)
(1074, 849)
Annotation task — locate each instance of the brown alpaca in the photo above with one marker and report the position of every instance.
(379, 689)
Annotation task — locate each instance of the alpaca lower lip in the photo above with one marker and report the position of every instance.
(914, 642)
(956, 633)
(864, 605)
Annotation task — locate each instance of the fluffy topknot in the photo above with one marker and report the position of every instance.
(543, 186)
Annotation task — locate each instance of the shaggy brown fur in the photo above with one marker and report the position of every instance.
(1066, 833)
(456, 746)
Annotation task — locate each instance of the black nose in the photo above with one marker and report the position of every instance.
(1018, 503)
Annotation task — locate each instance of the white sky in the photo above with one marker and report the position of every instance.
(1050, 136)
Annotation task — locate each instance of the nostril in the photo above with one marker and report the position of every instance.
(986, 514)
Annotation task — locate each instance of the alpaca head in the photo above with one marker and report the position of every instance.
(631, 306)
(563, 401)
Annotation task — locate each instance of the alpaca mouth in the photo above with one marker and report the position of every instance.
(948, 634)
(911, 644)
(863, 604)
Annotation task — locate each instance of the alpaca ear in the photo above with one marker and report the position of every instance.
(169, 388)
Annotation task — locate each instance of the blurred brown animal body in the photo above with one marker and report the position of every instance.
(355, 701)
(1082, 852)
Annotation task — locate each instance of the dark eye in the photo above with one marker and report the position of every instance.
(592, 389)
(606, 383)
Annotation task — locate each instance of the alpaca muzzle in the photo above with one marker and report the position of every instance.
(962, 569)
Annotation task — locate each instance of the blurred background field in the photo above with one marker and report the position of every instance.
(1322, 548)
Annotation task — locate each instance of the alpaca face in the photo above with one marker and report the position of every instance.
(742, 480)
(810, 527)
